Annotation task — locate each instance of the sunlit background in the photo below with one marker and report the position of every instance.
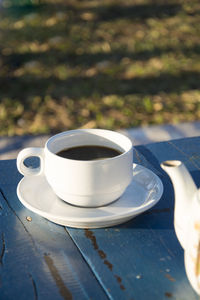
(97, 63)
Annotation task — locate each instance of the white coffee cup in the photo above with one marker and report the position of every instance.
(89, 183)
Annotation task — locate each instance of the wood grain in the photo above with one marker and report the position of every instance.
(38, 259)
(140, 259)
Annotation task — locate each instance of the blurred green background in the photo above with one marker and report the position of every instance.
(97, 63)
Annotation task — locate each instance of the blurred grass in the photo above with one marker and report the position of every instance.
(101, 63)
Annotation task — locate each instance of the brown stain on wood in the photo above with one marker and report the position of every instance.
(169, 295)
(102, 254)
(119, 280)
(108, 264)
(90, 235)
(92, 238)
(168, 276)
(65, 293)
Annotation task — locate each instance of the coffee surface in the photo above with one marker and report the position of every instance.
(88, 152)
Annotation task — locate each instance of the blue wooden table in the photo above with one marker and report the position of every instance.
(140, 259)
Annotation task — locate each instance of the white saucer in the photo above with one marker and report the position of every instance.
(144, 192)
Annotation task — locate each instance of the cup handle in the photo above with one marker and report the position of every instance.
(29, 152)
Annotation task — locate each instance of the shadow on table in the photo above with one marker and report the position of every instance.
(10, 146)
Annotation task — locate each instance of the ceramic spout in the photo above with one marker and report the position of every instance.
(184, 190)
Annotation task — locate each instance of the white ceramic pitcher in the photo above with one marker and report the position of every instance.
(186, 218)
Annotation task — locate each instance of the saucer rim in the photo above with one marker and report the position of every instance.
(92, 225)
(128, 214)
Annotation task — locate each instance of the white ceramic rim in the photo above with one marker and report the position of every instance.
(125, 144)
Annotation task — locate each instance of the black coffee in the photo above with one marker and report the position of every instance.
(88, 152)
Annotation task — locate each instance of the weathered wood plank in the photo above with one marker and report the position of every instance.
(142, 259)
(38, 258)
(186, 150)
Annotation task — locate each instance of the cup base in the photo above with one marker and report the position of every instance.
(91, 201)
